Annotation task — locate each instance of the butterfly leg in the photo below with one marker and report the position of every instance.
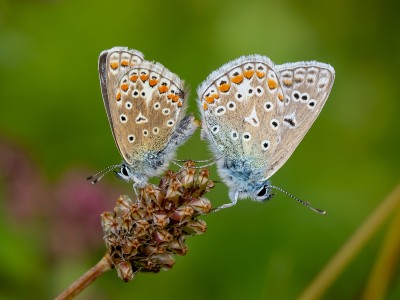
(226, 205)
(182, 132)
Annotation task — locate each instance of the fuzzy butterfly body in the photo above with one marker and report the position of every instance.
(255, 114)
(145, 105)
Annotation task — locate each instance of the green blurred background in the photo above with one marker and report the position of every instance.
(54, 132)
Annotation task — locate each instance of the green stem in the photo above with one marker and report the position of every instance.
(79, 285)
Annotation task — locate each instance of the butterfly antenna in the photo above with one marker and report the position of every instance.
(98, 176)
(175, 162)
(306, 204)
(209, 162)
(197, 161)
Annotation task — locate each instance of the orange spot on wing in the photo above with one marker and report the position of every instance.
(260, 74)
(280, 96)
(153, 82)
(237, 79)
(272, 84)
(224, 87)
(144, 77)
(175, 98)
(248, 74)
(287, 82)
(133, 78)
(162, 89)
(205, 106)
(124, 63)
(180, 104)
(124, 87)
(118, 96)
(210, 99)
(114, 65)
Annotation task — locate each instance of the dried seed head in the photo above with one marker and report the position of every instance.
(144, 234)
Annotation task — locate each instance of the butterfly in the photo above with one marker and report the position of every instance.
(254, 115)
(145, 105)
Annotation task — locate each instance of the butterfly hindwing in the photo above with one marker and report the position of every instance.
(306, 87)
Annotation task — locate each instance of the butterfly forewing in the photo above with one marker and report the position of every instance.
(113, 64)
(149, 99)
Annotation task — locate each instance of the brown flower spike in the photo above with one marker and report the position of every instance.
(143, 235)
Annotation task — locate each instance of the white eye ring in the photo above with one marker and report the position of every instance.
(215, 129)
(220, 110)
(157, 106)
(128, 105)
(268, 106)
(234, 135)
(265, 145)
(274, 124)
(246, 136)
(131, 138)
(123, 118)
(231, 105)
(311, 104)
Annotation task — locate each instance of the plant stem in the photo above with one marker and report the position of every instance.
(79, 285)
(343, 257)
(385, 265)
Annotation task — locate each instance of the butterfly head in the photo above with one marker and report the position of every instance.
(258, 191)
(127, 174)
(124, 172)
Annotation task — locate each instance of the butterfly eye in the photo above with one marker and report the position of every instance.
(262, 193)
(124, 171)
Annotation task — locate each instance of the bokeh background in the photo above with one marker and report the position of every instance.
(54, 132)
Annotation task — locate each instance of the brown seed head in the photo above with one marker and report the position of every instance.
(144, 234)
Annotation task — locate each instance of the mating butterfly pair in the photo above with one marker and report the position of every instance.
(254, 115)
